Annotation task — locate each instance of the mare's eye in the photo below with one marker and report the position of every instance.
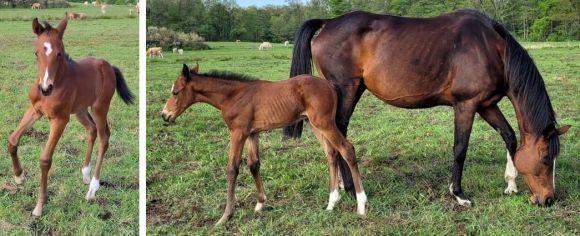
(59, 55)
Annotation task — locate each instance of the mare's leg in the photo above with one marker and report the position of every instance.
(100, 112)
(237, 139)
(26, 123)
(57, 125)
(464, 114)
(495, 118)
(334, 196)
(253, 162)
(344, 147)
(91, 128)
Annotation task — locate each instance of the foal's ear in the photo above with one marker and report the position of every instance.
(196, 69)
(563, 129)
(37, 28)
(185, 72)
(62, 25)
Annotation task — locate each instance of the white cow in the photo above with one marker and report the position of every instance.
(265, 46)
(180, 51)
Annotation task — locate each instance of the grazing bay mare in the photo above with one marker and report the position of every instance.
(250, 106)
(463, 59)
(66, 87)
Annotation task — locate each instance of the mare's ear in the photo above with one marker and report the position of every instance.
(37, 28)
(185, 72)
(196, 69)
(62, 25)
(563, 129)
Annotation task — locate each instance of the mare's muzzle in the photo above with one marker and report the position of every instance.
(47, 91)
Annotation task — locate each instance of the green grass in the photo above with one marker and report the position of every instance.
(115, 211)
(405, 159)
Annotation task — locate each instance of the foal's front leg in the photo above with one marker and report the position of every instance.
(57, 126)
(29, 118)
(237, 139)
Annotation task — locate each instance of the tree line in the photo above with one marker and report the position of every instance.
(224, 20)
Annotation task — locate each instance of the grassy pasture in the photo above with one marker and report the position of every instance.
(405, 157)
(92, 13)
(115, 211)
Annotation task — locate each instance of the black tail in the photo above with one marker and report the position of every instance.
(122, 88)
(527, 87)
(302, 62)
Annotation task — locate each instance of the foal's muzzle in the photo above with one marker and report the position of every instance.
(47, 91)
(168, 118)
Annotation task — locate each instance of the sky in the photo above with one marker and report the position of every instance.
(258, 3)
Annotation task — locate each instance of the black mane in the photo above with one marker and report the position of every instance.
(527, 86)
(227, 75)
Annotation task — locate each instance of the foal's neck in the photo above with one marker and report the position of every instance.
(216, 91)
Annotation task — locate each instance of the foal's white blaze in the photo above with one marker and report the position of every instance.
(361, 199)
(461, 201)
(93, 187)
(86, 174)
(48, 48)
(19, 179)
(45, 79)
(333, 198)
(510, 175)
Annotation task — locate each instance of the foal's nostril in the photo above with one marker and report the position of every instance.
(46, 91)
(549, 201)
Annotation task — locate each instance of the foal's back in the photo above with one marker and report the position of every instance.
(267, 105)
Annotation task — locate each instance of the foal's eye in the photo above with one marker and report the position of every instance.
(175, 92)
(59, 55)
(36, 53)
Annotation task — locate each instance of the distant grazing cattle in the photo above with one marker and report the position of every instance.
(76, 16)
(265, 46)
(286, 43)
(36, 6)
(238, 41)
(174, 50)
(104, 8)
(86, 3)
(130, 11)
(154, 51)
(180, 51)
(137, 8)
(95, 3)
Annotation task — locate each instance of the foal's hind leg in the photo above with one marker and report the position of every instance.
(103, 133)
(91, 128)
(495, 118)
(253, 162)
(26, 123)
(331, 154)
(329, 130)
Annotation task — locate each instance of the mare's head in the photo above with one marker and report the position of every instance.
(50, 54)
(182, 94)
(536, 162)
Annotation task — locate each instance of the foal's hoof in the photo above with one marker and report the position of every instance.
(259, 207)
(19, 179)
(37, 211)
(93, 187)
(86, 174)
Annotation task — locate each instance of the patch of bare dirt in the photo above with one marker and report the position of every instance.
(36, 134)
(9, 187)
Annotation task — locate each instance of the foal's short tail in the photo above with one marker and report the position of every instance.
(302, 62)
(122, 88)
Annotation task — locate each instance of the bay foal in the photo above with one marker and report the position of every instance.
(251, 106)
(66, 87)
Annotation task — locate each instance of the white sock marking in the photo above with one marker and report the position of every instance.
(86, 174)
(48, 48)
(259, 206)
(461, 201)
(361, 199)
(510, 176)
(333, 198)
(93, 187)
(19, 179)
